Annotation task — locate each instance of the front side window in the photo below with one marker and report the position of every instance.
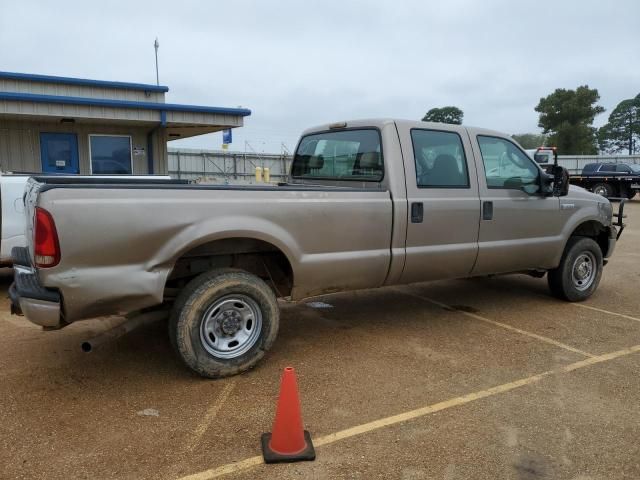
(342, 155)
(110, 154)
(440, 159)
(506, 166)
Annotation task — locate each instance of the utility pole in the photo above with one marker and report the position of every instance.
(156, 45)
(633, 121)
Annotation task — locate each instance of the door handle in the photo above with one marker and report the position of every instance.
(417, 212)
(487, 210)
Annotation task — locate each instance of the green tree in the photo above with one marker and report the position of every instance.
(622, 131)
(444, 115)
(530, 140)
(567, 117)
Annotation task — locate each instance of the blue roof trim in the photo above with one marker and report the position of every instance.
(99, 102)
(82, 81)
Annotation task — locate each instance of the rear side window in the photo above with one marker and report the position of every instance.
(440, 159)
(623, 168)
(341, 155)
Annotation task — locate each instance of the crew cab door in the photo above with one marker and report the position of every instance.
(519, 227)
(443, 203)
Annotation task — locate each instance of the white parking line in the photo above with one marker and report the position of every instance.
(629, 317)
(501, 325)
(576, 304)
(417, 413)
(210, 415)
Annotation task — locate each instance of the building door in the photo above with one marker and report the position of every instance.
(59, 153)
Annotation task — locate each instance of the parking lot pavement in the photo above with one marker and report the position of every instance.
(480, 378)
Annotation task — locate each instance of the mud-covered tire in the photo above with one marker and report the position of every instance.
(192, 317)
(581, 262)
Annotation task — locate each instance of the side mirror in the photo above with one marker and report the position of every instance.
(560, 181)
(555, 182)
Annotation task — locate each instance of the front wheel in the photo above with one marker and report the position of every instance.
(223, 322)
(579, 272)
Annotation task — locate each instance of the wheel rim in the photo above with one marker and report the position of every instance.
(583, 272)
(600, 191)
(231, 326)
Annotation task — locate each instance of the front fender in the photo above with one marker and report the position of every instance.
(592, 211)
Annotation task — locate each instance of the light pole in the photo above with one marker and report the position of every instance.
(156, 45)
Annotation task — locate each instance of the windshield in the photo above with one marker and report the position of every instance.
(341, 155)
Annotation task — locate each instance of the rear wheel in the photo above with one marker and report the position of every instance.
(631, 193)
(579, 272)
(603, 189)
(223, 322)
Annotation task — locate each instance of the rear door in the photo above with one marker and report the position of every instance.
(443, 203)
(518, 226)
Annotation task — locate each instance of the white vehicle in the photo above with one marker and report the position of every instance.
(12, 223)
(542, 155)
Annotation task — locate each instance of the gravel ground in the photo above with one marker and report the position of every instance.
(130, 410)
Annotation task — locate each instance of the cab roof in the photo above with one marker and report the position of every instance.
(403, 123)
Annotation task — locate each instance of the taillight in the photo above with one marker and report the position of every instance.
(46, 247)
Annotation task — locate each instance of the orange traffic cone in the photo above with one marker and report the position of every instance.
(288, 442)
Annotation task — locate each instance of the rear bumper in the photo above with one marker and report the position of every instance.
(38, 304)
(40, 312)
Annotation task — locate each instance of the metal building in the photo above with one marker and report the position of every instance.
(72, 125)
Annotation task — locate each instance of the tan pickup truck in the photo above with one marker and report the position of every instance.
(369, 203)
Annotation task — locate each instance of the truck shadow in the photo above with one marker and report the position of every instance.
(145, 356)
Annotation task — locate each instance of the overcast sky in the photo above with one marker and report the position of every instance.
(300, 63)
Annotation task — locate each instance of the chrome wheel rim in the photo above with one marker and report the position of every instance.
(231, 326)
(583, 272)
(601, 191)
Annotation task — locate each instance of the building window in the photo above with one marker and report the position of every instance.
(110, 154)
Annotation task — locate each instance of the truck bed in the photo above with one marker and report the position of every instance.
(141, 228)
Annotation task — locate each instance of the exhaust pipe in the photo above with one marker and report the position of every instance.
(132, 322)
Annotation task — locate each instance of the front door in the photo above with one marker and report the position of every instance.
(59, 153)
(443, 201)
(519, 227)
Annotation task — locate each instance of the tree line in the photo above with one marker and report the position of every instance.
(566, 118)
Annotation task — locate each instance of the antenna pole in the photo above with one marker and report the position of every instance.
(156, 45)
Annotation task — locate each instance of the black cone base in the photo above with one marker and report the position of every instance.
(272, 457)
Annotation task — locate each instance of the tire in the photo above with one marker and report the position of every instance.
(223, 322)
(603, 189)
(579, 272)
(631, 193)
